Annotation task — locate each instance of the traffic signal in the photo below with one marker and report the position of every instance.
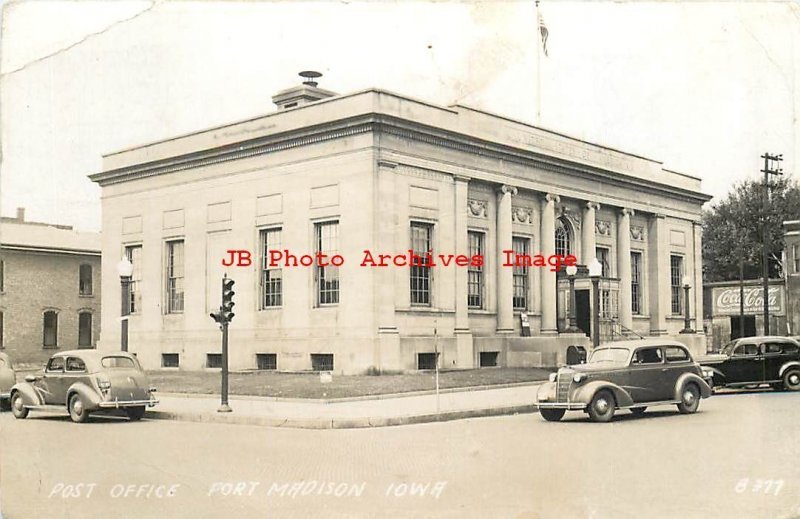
(217, 316)
(227, 299)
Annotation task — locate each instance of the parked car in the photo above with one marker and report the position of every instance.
(83, 382)
(7, 379)
(752, 361)
(630, 375)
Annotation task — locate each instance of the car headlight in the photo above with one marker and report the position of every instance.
(578, 377)
(552, 377)
(707, 373)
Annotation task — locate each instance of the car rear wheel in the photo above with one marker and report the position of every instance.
(552, 415)
(638, 411)
(791, 379)
(690, 399)
(77, 409)
(601, 408)
(18, 408)
(135, 413)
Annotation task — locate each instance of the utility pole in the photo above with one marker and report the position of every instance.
(770, 168)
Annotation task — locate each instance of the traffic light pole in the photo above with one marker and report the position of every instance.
(224, 407)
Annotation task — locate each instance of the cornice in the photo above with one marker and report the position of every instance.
(388, 124)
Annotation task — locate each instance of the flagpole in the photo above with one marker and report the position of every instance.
(538, 70)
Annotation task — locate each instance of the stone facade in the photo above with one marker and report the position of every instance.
(40, 268)
(385, 173)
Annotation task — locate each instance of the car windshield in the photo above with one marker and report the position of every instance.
(615, 355)
(118, 362)
(728, 348)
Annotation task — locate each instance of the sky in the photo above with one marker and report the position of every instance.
(706, 88)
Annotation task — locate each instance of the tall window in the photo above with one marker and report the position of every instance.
(475, 273)
(601, 253)
(134, 255)
(2, 276)
(795, 256)
(85, 330)
(421, 244)
(271, 277)
(521, 246)
(327, 278)
(50, 326)
(563, 238)
(175, 276)
(85, 280)
(636, 283)
(675, 276)
(2, 342)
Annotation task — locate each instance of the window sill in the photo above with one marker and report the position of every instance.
(425, 310)
(641, 317)
(86, 296)
(479, 311)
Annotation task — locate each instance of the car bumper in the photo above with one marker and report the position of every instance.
(5, 396)
(569, 406)
(117, 404)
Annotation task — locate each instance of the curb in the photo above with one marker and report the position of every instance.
(384, 396)
(338, 423)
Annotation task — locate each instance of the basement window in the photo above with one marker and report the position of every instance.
(213, 360)
(488, 359)
(170, 360)
(426, 360)
(322, 361)
(267, 361)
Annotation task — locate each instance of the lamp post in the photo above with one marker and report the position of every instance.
(686, 324)
(595, 271)
(571, 271)
(125, 271)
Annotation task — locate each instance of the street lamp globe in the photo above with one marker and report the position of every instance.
(686, 282)
(572, 270)
(595, 268)
(125, 268)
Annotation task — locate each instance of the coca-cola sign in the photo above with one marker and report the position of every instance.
(726, 300)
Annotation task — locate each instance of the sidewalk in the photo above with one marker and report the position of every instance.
(399, 409)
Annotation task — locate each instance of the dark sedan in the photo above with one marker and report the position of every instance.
(752, 361)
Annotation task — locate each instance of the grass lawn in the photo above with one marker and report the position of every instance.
(308, 385)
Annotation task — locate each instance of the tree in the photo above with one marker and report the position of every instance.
(732, 229)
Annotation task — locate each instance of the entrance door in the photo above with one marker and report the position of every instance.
(582, 312)
(749, 326)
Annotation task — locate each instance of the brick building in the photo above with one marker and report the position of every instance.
(49, 289)
(374, 170)
(792, 274)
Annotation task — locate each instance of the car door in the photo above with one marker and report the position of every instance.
(75, 371)
(745, 364)
(51, 382)
(678, 362)
(773, 359)
(648, 379)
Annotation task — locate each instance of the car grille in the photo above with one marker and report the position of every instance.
(562, 387)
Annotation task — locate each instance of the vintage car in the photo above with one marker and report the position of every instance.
(752, 361)
(630, 375)
(85, 381)
(7, 379)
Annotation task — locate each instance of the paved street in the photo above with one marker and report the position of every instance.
(737, 457)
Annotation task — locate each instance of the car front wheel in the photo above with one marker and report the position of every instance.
(601, 408)
(552, 415)
(791, 379)
(690, 399)
(77, 409)
(135, 413)
(18, 408)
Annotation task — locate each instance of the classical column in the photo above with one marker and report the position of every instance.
(505, 275)
(588, 245)
(388, 347)
(697, 281)
(624, 266)
(658, 286)
(548, 284)
(464, 350)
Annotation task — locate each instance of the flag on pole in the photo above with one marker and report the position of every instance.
(542, 30)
